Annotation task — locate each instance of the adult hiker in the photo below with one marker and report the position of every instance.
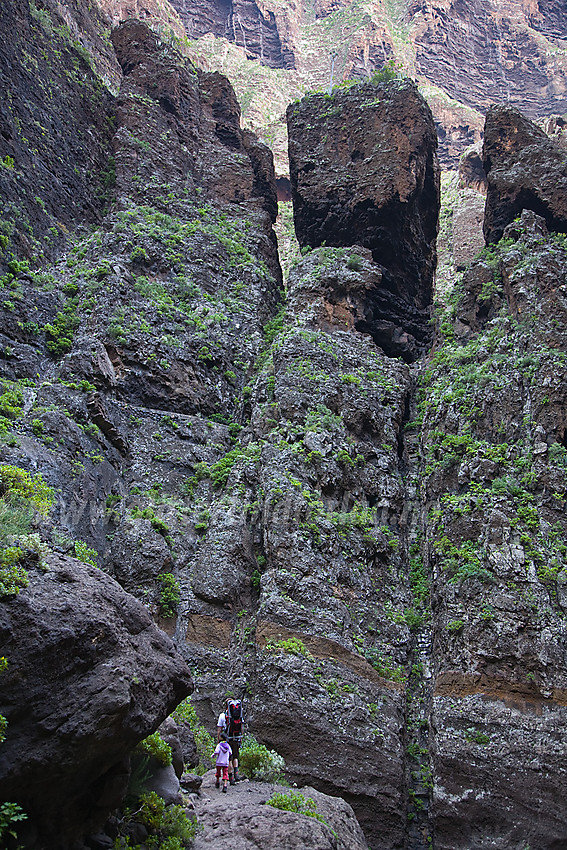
(223, 753)
(231, 722)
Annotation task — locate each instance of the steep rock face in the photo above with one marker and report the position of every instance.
(299, 576)
(249, 23)
(465, 56)
(525, 170)
(155, 13)
(55, 124)
(130, 364)
(487, 52)
(263, 460)
(494, 447)
(364, 171)
(471, 170)
(89, 675)
(194, 120)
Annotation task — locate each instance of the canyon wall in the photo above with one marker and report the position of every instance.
(464, 55)
(364, 533)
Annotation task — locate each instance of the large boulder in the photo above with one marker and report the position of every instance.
(242, 819)
(525, 169)
(89, 675)
(364, 171)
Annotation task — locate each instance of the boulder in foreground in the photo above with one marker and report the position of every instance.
(89, 675)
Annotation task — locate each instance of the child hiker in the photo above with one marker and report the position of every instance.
(223, 752)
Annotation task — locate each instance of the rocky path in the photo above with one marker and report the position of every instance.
(241, 820)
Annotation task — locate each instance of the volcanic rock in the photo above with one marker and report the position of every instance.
(89, 675)
(364, 171)
(525, 170)
(242, 819)
(55, 125)
(248, 23)
(496, 541)
(481, 53)
(471, 171)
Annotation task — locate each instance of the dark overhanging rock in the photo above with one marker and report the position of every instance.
(364, 171)
(525, 169)
(89, 675)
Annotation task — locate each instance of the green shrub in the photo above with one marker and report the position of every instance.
(11, 401)
(10, 814)
(388, 71)
(20, 495)
(293, 801)
(169, 827)
(169, 594)
(292, 645)
(12, 576)
(257, 762)
(274, 327)
(203, 521)
(60, 333)
(157, 524)
(155, 746)
(85, 554)
(18, 486)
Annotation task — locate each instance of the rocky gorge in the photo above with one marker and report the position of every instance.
(327, 495)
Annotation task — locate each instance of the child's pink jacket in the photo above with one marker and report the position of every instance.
(223, 753)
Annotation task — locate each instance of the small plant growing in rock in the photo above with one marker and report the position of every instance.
(203, 521)
(293, 801)
(10, 813)
(354, 263)
(389, 71)
(292, 645)
(21, 495)
(169, 827)
(475, 737)
(185, 713)
(13, 577)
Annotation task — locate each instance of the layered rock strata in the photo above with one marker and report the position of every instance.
(248, 23)
(493, 444)
(484, 53)
(305, 545)
(95, 351)
(380, 573)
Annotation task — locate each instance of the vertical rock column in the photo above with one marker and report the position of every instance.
(364, 171)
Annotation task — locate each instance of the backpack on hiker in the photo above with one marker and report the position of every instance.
(234, 720)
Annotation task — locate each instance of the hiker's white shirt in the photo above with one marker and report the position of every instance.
(221, 722)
